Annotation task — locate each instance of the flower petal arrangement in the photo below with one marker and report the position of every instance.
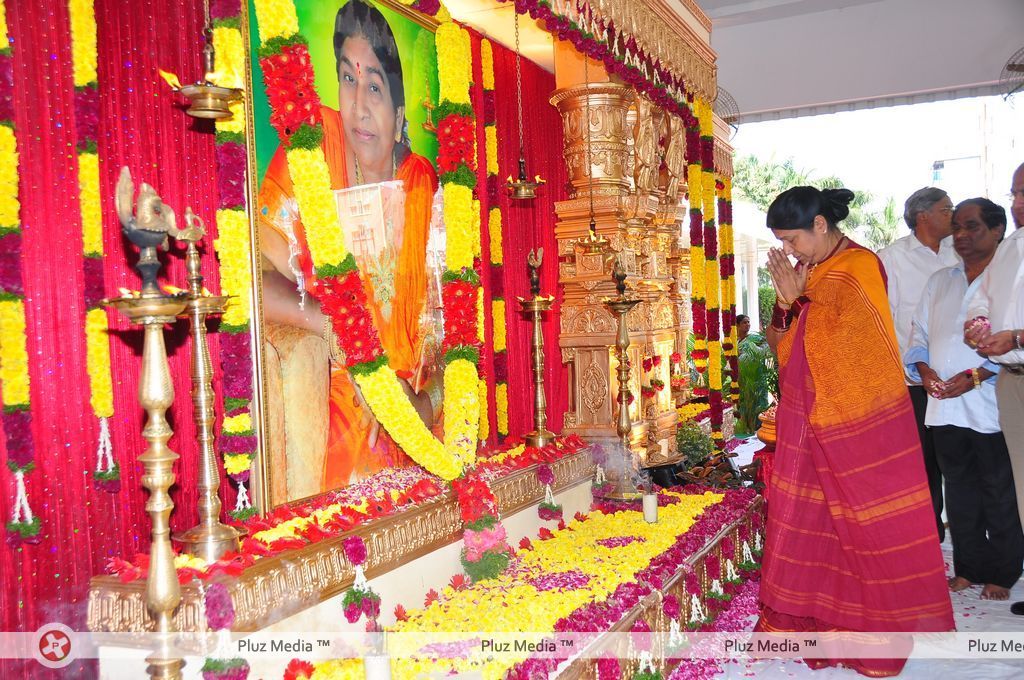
(580, 578)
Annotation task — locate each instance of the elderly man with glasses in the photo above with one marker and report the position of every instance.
(909, 263)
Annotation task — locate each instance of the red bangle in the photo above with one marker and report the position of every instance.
(798, 305)
(780, 316)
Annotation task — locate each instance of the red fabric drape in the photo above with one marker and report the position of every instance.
(530, 224)
(141, 127)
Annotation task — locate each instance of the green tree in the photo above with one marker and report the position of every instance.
(860, 217)
(882, 226)
(761, 181)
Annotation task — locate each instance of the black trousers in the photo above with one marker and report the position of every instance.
(919, 398)
(988, 545)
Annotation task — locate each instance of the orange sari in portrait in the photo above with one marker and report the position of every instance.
(850, 537)
(349, 454)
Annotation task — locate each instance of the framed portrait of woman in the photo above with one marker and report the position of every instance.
(375, 71)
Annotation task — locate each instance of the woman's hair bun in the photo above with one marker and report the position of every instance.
(838, 201)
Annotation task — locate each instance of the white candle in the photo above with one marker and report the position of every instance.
(651, 507)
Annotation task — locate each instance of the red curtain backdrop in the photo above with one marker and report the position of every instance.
(140, 127)
(530, 224)
(143, 127)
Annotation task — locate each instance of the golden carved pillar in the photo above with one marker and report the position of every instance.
(625, 188)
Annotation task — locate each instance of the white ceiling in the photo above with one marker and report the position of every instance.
(735, 12)
(786, 58)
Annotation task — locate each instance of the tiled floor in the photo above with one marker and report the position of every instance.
(971, 613)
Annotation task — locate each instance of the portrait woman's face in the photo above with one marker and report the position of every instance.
(372, 122)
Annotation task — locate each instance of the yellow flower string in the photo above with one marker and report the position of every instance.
(16, 415)
(13, 354)
(712, 271)
(82, 19)
(729, 236)
(494, 235)
(233, 246)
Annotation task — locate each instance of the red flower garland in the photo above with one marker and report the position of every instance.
(289, 79)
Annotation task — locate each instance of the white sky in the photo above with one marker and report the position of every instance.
(890, 151)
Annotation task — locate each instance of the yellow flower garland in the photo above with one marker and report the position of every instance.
(97, 361)
(89, 204)
(232, 247)
(83, 41)
(13, 353)
(276, 19)
(498, 314)
(494, 231)
(9, 205)
(3, 24)
(458, 221)
(501, 406)
(485, 425)
(487, 64)
(230, 49)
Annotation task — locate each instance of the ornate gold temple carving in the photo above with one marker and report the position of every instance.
(277, 587)
(609, 103)
(636, 209)
(657, 32)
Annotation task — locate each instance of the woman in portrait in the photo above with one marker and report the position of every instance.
(850, 538)
(365, 142)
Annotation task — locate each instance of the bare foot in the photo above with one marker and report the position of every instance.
(994, 592)
(958, 583)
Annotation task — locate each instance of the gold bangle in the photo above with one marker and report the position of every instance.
(333, 348)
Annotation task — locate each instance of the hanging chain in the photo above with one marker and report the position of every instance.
(208, 55)
(590, 166)
(519, 85)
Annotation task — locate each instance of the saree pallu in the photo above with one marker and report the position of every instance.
(850, 537)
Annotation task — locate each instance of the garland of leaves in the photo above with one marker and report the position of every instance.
(14, 375)
(107, 473)
(499, 339)
(238, 440)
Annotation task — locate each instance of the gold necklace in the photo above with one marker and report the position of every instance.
(359, 169)
(835, 249)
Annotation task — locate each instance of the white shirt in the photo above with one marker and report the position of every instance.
(908, 266)
(937, 339)
(1000, 296)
